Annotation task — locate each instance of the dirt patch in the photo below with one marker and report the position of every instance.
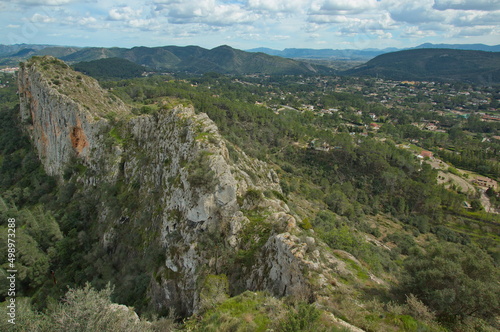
(485, 202)
(449, 179)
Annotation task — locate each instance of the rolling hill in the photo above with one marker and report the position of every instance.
(190, 59)
(478, 67)
(194, 59)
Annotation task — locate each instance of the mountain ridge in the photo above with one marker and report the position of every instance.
(363, 54)
(222, 59)
(168, 57)
(479, 67)
(192, 59)
(6, 50)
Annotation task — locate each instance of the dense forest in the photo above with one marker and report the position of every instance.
(355, 187)
(110, 68)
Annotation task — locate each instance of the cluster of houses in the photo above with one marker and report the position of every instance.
(493, 118)
(9, 70)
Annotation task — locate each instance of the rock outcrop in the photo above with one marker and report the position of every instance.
(60, 125)
(178, 189)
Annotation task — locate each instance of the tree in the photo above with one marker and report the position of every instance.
(476, 205)
(90, 310)
(455, 281)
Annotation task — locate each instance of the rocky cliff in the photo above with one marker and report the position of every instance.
(167, 187)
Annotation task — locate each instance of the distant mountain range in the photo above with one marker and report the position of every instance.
(192, 59)
(364, 54)
(10, 50)
(423, 64)
(321, 54)
(470, 47)
(161, 54)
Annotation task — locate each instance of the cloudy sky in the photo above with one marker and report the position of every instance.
(245, 24)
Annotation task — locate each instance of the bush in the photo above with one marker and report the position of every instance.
(476, 205)
(90, 310)
(446, 234)
(418, 309)
(248, 311)
(404, 242)
(214, 291)
(305, 224)
(200, 174)
(303, 317)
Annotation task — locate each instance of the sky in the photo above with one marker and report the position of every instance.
(246, 24)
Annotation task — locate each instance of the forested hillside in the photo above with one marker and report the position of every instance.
(110, 68)
(477, 67)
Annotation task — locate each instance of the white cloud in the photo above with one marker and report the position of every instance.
(476, 18)
(312, 27)
(414, 12)
(124, 13)
(144, 24)
(84, 22)
(343, 7)
(327, 19)
(208, 12)
(413, 32)
(279, 37)
(474, 31)
(357, 26)
(287, 6)
(39, 18)
(485, 5)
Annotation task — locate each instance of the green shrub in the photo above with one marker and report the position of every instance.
(253, 195)
(303, 317)
(454, 171)
(306, 224)
(214, 291)
(200, 174)
(248, 311)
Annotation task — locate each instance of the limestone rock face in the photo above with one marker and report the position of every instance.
(200, 204)
(60, 127)
(280, 267)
